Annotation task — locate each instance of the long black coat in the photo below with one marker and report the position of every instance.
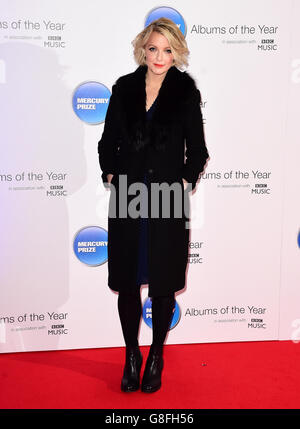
(128, 148)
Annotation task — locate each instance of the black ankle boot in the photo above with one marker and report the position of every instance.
(152, 375)
(131, 375)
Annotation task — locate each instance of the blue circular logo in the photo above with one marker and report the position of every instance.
(90, 102)
(166, 12)
(147, 314)
(90, 245)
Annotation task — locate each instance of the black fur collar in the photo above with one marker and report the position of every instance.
(169, 106)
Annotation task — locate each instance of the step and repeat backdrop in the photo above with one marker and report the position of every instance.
(58, 62)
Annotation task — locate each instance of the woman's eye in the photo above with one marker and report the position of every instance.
(153, 49)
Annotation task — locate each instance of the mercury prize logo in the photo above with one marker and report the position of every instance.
(90, 245)
(90, 102)
(166, 12)
(147, 314)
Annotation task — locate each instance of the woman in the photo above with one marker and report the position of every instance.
(153, 116)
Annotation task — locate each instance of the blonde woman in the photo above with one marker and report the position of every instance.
(153, 136)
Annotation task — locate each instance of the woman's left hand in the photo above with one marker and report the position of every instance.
(185, 183)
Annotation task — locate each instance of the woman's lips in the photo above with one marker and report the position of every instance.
(158, 65)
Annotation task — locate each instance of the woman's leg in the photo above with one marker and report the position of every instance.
(162, 313)
(130, 310)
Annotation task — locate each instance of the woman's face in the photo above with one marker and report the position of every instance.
(159, 57)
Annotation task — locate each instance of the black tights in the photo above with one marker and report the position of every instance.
(130, 311)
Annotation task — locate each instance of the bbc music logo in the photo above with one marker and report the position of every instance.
(147, 314)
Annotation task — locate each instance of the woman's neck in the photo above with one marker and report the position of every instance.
(154, 80)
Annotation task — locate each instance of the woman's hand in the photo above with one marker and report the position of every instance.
(185, 184)
(109, 177)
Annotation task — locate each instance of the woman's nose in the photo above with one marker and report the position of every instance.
(159, 54)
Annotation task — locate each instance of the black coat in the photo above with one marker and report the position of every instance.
(128, 148)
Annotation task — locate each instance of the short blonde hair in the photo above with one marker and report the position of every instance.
(176, 39)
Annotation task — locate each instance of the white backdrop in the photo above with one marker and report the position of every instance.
(243, 273)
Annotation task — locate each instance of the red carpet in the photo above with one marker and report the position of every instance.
(223, 375)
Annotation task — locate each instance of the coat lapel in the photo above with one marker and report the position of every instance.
(156, 133)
